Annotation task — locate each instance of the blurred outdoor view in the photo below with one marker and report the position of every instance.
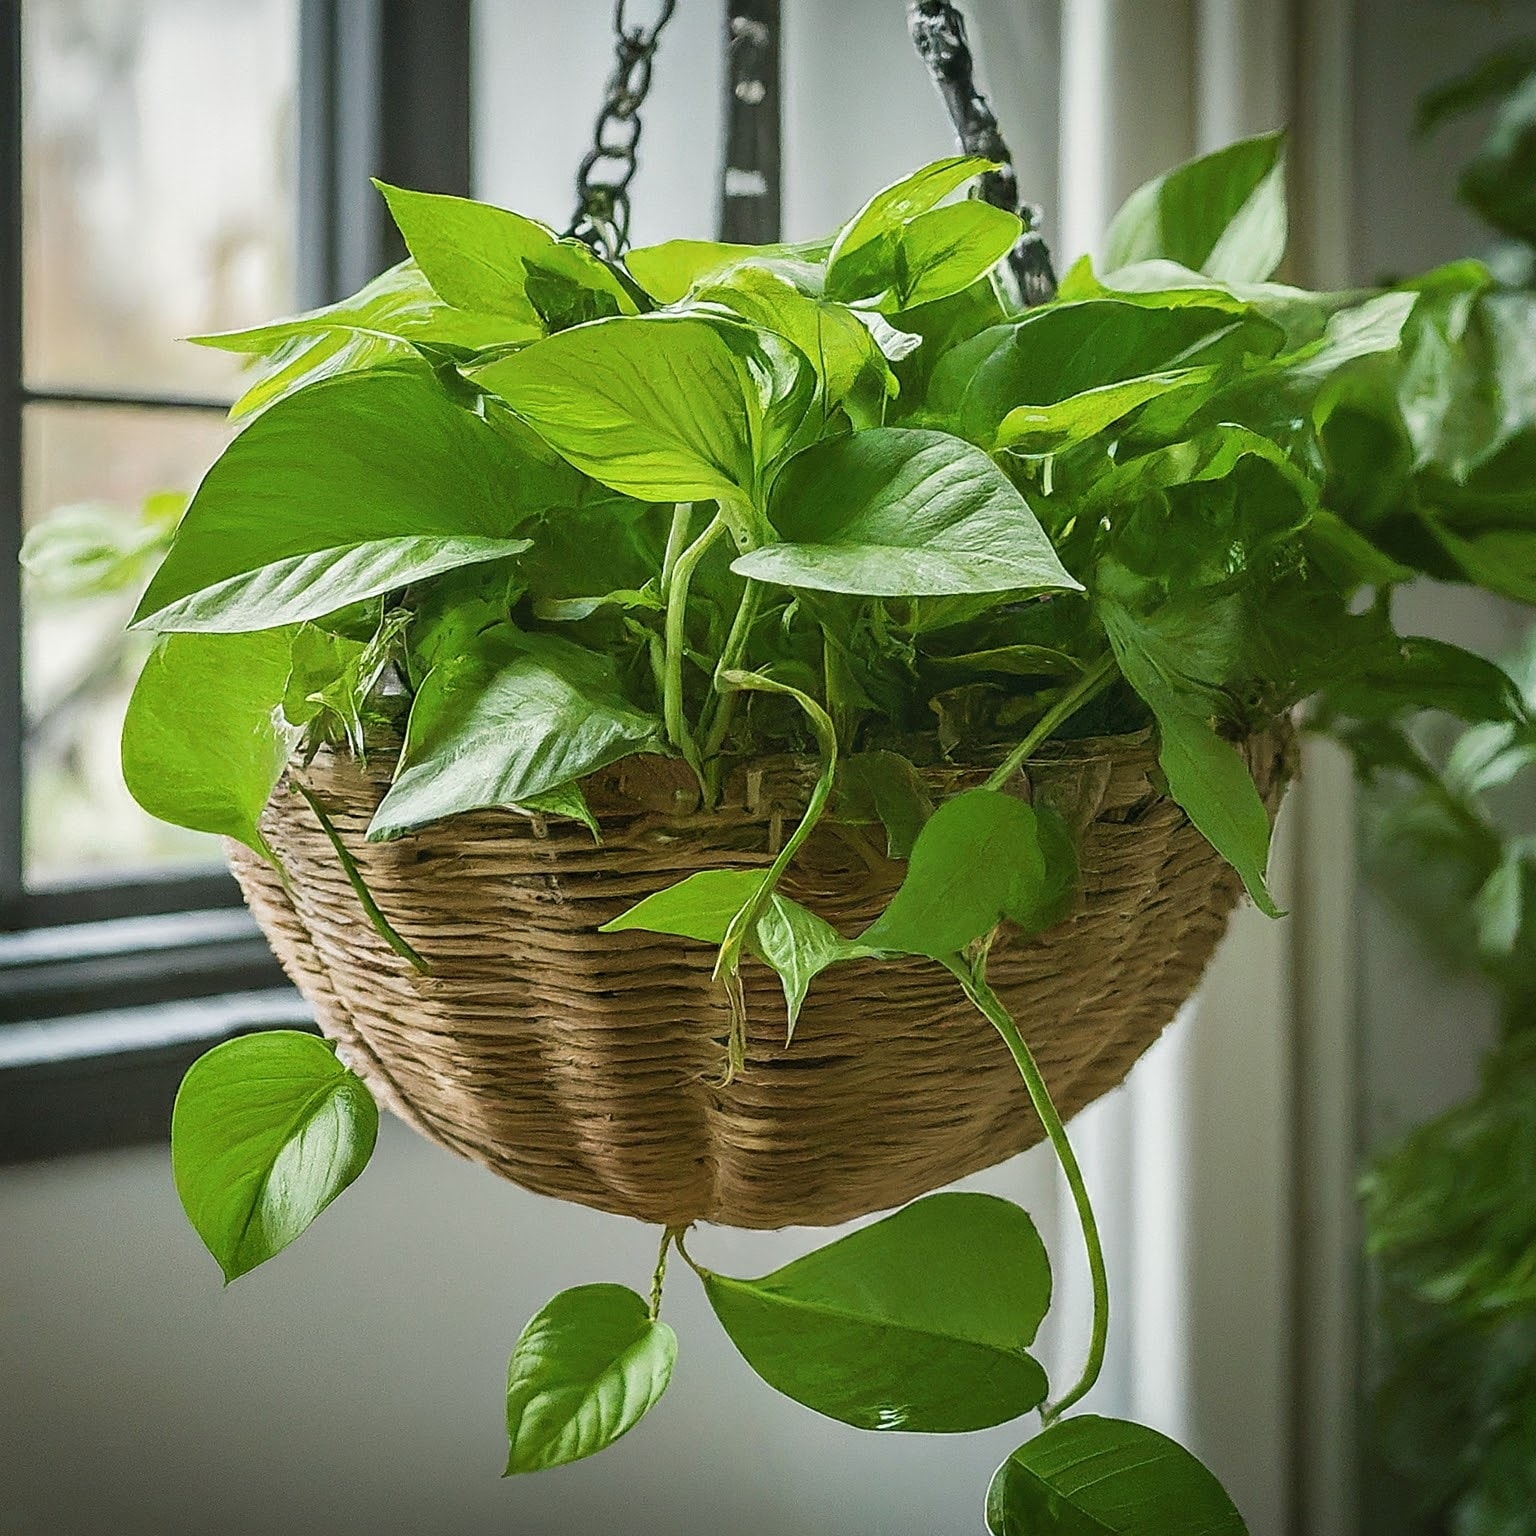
(158, 164)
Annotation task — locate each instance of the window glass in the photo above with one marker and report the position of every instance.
(158, 179)
(158, 185)
(89, 472)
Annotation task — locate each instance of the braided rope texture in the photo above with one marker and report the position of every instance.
(588, 1066)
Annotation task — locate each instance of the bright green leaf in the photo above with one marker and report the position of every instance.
(663, 407)
(978, 860)
(1090, 1476)
(370, 456)
(699, 907)
(267, 1130)
(1222, 214)
(204, 739)
(310, 586)
(897, 204)
(585, 1371)
(516, 717)
(899, 512)
(478, 257)
(937, 254)
(919, 1322)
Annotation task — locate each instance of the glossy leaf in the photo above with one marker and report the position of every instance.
(1045, 429)
(665, 408)
(670, 270)
(267, 1130)
(1222, 214)
(585, 1371)
(366, 457)
(936, 254)
(204, 739)
(919, 1322)
(385, 323)
(1092, 1476)
(904, 200)
(310, 586)
(516, 717)
(799, 945)
(478, 257)
(978, 860)
(899, 512)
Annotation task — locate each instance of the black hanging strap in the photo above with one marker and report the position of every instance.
(938, 31)
(603, 178)
(750, 211)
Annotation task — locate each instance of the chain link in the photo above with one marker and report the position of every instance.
(938, 31)
(602, 180)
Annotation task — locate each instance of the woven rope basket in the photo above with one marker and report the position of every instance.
(588, 1066)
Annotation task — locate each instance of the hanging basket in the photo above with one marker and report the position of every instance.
(589, 1066)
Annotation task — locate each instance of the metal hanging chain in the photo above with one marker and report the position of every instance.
(938, 32)
(602, 180)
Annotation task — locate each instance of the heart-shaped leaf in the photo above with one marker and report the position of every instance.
(663, 407)
(898, 512)
(514, 718)
(904, 200)
(204, 739)
(920, 1322)
(978, 860)
(884, 787)
(267, 1130)
(347, 461)
(585, 1371)
(1104, 1477)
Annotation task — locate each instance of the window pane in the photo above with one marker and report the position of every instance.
(88, 472)
(158, 173)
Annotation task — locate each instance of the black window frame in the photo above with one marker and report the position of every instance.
(109, 988)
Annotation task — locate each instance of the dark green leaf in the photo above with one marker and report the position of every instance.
(585, 1371)
(515, 717)
(366, 457)
(884, 787)
(1222, 214)
(1104, 1477)
(919, 1322)
(268, 1129)
(204, 739)
(978, 860)
(898, 512)
(1205, 775)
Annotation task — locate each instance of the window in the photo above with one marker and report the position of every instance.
(169, 167)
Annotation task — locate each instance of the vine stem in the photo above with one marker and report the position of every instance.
(987, 1002)
(730, 659)
(675, 584)
(659, 1275)
(381, 924)
(1091, 683)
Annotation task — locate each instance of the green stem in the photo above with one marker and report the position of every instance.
(1091, 683)
(381, 924)
(681, 576)
(730, 660)
(659, 1275)
(988, 1003)
(677, 540)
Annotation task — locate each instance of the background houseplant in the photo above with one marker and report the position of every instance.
(1278, 573)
